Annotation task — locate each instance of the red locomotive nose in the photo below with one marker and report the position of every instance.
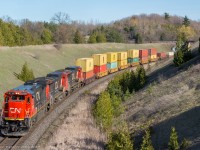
(16, 110)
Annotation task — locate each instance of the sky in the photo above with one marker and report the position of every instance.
(100, 11)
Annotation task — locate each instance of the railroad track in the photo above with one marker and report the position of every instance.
(8, 143)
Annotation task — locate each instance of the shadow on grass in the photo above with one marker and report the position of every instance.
(187, 126)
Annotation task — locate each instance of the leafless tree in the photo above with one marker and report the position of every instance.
(61, 18)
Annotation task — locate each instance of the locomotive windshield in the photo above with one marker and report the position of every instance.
(53, 75)
(18, 97)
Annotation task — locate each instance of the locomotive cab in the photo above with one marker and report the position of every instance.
(76, 73)
(17, 113)
(61, 81)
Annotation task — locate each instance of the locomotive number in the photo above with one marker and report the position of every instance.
(14, 110)
(56, 85)
(37, 96)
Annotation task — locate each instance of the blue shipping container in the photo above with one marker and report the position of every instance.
(112, 65)
(132, 60)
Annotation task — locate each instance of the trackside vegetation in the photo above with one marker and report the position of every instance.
(109, 106)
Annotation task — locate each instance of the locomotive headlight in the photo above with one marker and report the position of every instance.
(6, 123)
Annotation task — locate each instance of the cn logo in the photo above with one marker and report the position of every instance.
(14, 110)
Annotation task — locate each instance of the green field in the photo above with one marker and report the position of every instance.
(46, 58)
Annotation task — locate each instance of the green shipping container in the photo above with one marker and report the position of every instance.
(132, 60)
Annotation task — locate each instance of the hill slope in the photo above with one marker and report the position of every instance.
(171, 99)
(46, 58)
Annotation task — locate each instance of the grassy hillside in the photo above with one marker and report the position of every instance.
(170, 99)
(46, 58)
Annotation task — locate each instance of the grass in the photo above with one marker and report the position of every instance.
(46, 58)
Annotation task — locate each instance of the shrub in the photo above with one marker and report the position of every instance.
(146, 143)
(104, 111)
(178, 58)
(25, 74)
(120, 140)
(184, 144)
(173, 141)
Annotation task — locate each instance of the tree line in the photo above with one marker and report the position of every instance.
(61, 29)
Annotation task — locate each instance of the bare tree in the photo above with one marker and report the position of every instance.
(61, 18)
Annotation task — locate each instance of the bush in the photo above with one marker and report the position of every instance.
(173, 141)
(146, 143)
(104, 111)
(114, 87)
(120, 140)
(92, 38)
(118, 109)
(140, 78)
(26, 73)
(78, 38)
(178, 58)
(185, 144)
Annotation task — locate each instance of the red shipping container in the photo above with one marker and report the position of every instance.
(144, 58)
(152, 51)
(143, 53)
(162, 55)
(98, 69)
(87, 75)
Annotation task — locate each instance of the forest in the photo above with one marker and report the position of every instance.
(61, 29)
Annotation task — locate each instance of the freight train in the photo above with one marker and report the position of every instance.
(24, 105)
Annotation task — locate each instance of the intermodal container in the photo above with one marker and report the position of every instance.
(152, 51)
(143, 53)
(161, 55)
(170, 54)
(133, 60)
(144, 60)
(89, 74)
(100, 59)
(87, 64)
(112, 65)
(133, 53)
(99, 69)
(111, 57)
(121, 56)
(122, 63)
(153, 58)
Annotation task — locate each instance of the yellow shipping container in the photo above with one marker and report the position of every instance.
(121, 56)
(153, 56)
(100, 59)
(111, 57)
(122, 63)
(133, 53)
(87, 64)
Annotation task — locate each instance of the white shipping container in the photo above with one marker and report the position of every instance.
(171, 53)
